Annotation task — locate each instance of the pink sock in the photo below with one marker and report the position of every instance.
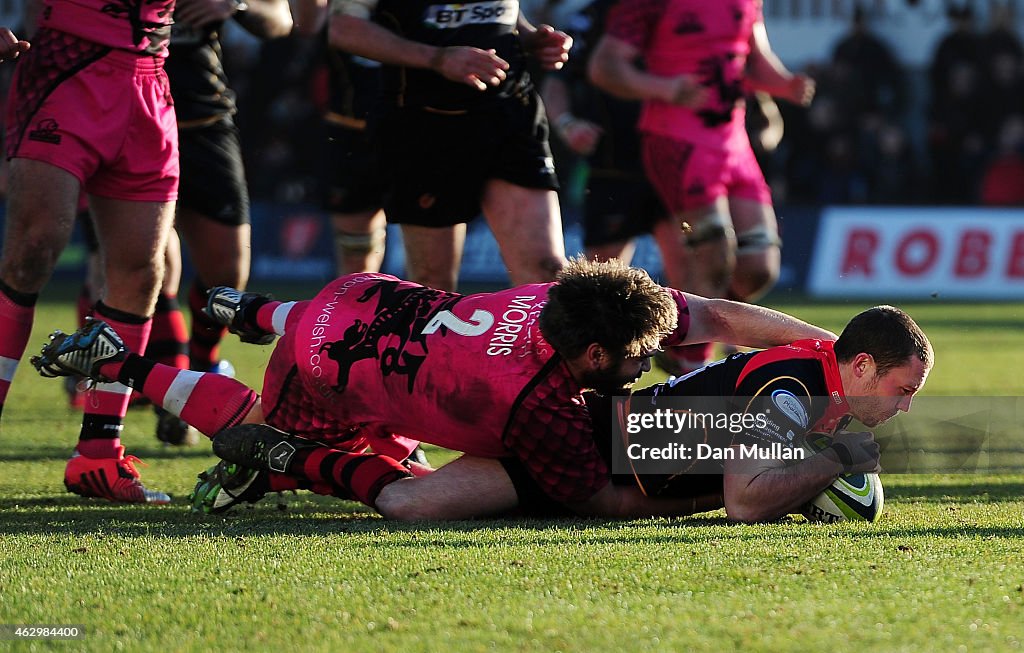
(106, 405)
(15, 328)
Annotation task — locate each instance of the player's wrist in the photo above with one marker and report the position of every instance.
(436, 61)
(841, 454)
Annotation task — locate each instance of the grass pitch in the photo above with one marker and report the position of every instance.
(942, 571)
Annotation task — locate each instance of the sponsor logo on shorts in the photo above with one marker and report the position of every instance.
(453, 16)
(548, 166)
(426, 201)
(46, 132)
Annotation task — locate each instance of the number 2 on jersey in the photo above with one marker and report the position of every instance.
(479, 322)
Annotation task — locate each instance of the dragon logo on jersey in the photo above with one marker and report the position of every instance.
(453, 16)
(400, 314)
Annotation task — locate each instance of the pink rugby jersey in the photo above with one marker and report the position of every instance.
(142, 26)
(708, 39)
(468, 372)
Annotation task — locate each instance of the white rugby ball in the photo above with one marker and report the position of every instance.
(852, 497)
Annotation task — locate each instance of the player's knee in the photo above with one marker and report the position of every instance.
(757, 268)
(30, 266)
(347, 243)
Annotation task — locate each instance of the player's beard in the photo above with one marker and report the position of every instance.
(608, 381)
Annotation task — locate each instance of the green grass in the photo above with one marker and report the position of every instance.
(942, 571)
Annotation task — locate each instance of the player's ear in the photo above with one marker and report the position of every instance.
(864, 365)
(596, 356)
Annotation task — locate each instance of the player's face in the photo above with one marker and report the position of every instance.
(887, 394)
(620, 373)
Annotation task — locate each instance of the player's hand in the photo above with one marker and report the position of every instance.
(468, 65)
(800, 90)
(856, 451)
(10, 46)
(581, 136)
(686, 91)
(769, 137)
(549, 46)
(203, 12)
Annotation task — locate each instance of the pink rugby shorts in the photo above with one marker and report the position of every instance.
(106, 116)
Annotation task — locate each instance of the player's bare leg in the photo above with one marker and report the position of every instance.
(758, 256)
(41, 207)
(359, 241)
(622, 250)
(697, 250)
(433, 254)
(527, 224)
(465, 488)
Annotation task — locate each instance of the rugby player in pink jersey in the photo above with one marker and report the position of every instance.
(692, 63)
(376, 362)
(90, 109)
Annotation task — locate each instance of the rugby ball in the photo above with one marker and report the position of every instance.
(852, 497)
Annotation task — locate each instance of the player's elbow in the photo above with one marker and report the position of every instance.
(747, 506)
(748, 514)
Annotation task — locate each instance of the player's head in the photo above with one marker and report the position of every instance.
(609, 317)
(884, 359)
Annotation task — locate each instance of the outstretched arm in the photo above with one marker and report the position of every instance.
(736, 323)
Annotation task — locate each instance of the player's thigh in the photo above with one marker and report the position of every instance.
(464, 488)
(432, 254)
(41, 204)
(527, 224)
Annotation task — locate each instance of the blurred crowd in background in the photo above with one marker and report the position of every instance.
(877, 132)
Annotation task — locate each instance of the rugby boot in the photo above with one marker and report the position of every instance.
(225, 485)
(114, 479)
(259, 446)
(226, 306)
(81, 353)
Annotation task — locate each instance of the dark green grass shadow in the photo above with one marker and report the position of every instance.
(81, 517)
